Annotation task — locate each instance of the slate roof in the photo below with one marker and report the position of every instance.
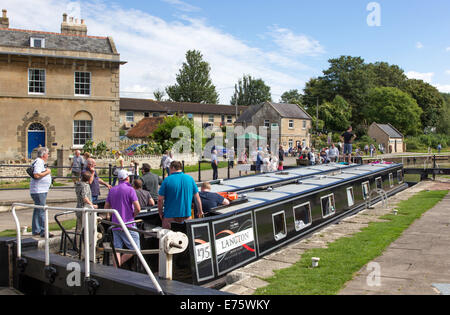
(390, 130)
(145, 105)
(56, 41)
(285, 110)
(290, 111)
(248, 114)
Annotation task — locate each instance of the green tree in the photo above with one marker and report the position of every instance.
(163, 133)
(443, 124)
(249, 91)
(292, 97)
(384, 75)
(336, 115)
(193, 81)
(391, 105)
(428, 98)
(346, 76)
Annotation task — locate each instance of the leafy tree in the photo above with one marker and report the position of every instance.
(292, 97)
(428, 98)
(249, 91)
(163, 133)
(384, 75)
(391, 105)
(193, 81)
(443, 124)
(346, 76)
(336, 115)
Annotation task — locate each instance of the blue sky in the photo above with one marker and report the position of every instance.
(284, 42)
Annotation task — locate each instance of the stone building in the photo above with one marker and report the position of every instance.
(290, 121)
(133, 110)
(388, 136)
(57, 89)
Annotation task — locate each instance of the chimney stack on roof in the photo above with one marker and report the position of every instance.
(73, 28)
(4, 21)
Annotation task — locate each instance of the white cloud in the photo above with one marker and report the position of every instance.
(447, 49)
(419, 45)
(444, 88)
(447, 72)
(183, 6)
(295, 44)
(155, 48)
(427, 77)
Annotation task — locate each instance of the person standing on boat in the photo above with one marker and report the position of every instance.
(123, 198)
(176, 195)
(348, 138)
(333, 153)
(39, 187)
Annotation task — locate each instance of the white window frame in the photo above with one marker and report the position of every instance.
(155, 115)
(75, 84)
(304, 125)
(279, 236)
(381, 181)
(211, 118)
(229, 119)
(333, 212)
(400, 172)
(266, 123)
(391, 180)
(352, 195)
(146, 114)
(127, 117)
(33, 39)
(45, 82)
(291, 124)
(78, 145)
(297, 228)
(291, 143)
(367, 184)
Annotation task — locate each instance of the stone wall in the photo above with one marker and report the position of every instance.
(153, 160)
(11, 171)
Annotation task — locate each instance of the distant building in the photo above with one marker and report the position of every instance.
(388, 136)
(291, 121)
(57, 89)
(133, 110)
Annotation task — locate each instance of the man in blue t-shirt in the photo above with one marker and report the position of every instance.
(210, 200)
(176, 195)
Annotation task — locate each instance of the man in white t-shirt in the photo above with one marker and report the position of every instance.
(333, 153)
(39, 187)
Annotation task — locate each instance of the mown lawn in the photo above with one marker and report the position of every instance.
(346, 256)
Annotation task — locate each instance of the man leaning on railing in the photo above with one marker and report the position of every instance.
(39, 187)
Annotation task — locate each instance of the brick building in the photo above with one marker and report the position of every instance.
(57, 89)
(388, 136)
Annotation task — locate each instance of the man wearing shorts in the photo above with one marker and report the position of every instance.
(123, 198)
(348, 138)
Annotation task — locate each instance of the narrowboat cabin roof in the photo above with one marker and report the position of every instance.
(312, 183)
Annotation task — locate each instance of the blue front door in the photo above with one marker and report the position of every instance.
(35, 138)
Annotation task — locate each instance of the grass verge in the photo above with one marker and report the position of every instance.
(68, 225)
(344, 257)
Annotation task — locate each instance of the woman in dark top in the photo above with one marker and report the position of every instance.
(144, 197)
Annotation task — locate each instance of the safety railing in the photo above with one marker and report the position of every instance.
(85, 213)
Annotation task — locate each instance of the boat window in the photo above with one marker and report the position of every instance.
(328, 206)
(365, 190)
(302, 216)
(279, 225)
(350, 198)
(391, 180)
(378, 183)
(400, 176)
